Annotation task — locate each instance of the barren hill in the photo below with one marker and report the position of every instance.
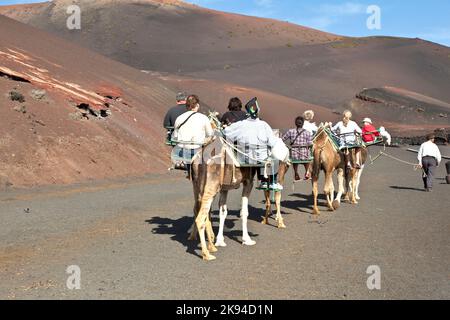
(68, 114)
(279, 57)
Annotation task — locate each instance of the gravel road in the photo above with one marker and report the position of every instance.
(129, 239)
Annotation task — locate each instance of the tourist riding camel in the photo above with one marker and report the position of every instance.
(255, 139)
(308, 125)
(192, 130)
(369, 132)
(347, 130)
(234, 113)
(174, 113)
(298, 141)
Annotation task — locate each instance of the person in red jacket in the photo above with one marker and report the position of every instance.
(369, 132)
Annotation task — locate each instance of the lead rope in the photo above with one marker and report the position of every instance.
(382, 153)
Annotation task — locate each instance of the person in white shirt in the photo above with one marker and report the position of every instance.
(308, 125)
(347, 131)
(192, 129)
(254, 138)
(429, 159)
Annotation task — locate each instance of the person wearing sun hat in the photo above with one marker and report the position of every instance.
(256, 141)
(308, 124)
(369, 132)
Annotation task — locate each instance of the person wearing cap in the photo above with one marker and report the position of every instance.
(234, 113)
(308, 125)
(429, 159)
(174, 113)
(369, 132)
(255, 139)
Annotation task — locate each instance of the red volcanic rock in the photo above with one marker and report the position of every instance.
(109, 91)
(97, 119)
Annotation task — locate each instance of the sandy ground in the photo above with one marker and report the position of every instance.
(129, 239)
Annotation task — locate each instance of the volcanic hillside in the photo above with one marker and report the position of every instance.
(179, 38)
(68, 114)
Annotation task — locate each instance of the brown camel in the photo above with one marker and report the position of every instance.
(282, 170)
(327, 158)
(213, 172)
(353, 176)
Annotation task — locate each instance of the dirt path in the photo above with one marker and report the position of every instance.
(129, 240)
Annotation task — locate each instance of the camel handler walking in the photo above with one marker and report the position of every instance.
(429, 159)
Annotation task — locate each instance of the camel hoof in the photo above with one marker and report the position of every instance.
(316, 212)
(358, 198)
(264, 221)
(354, 202)
(212, 248)
(281, 225)
(248, 242)
(209, 257)
(336, 204)
(221, 243)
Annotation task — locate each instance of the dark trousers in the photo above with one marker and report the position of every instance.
(429, 165)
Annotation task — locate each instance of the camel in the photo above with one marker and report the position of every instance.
(212, 174)
(328, 158)
(353, 176)
(282, 170)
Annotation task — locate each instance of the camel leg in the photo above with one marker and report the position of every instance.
(315, 184)
(353, 188)
(340, 179)
(223, 216)
(347, 174)
(280, 219)
(202, 221)
(210, 234)
(281, 176)
(329, 190)
(268, 207)
(358, 181)
(246, 240)
(193, 232)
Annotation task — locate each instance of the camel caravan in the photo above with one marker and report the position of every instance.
(220, 155)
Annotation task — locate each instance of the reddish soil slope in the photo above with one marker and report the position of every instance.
(96, 119)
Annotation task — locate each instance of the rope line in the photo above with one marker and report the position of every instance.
(381, 153)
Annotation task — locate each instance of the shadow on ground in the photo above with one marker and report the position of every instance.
(304, 202)
(406, 188)
(178, 229)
